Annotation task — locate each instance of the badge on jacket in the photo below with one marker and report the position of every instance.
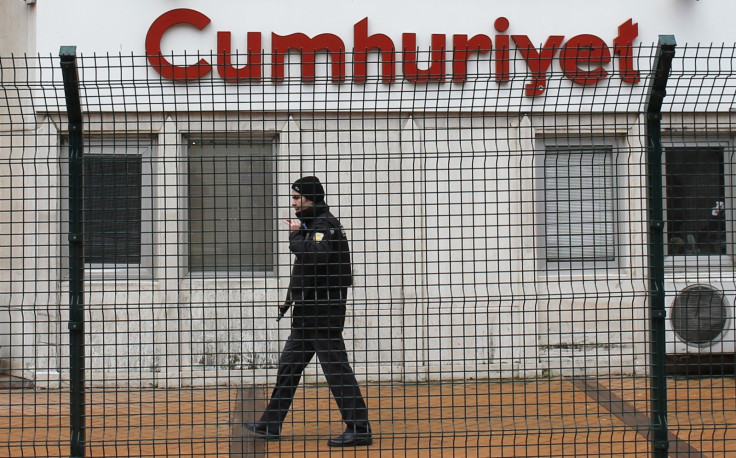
(318, 236)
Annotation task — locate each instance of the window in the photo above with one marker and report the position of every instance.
(112, 209)
(117, 206)
(579, 201)
(695, 200)
(231, 204)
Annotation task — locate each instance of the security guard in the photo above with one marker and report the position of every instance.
(317, 295)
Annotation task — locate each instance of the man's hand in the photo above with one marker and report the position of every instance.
(293, 224)
(282, 310)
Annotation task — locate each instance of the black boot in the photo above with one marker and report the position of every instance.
(352, 438)
(262, 431)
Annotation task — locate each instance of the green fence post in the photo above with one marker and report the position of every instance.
(662, 66)
(68, 56)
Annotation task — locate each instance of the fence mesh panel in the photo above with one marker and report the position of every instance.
(499, 241)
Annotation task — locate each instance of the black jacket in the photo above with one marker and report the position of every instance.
(322, 271)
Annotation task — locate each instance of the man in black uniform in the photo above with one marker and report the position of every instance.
(317, 294)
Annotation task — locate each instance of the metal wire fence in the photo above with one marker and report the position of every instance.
(522, 286)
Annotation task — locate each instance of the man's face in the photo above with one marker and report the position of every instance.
(299, 202)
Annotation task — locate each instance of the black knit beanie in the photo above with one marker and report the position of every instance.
(311, 188)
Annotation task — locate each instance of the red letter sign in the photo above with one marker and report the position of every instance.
(308, 47)
(622, 47)
(461, 49)
(537, 62)
(251, 70)
(583, 58)
(364, 44)
(153, 44)
(586, 50)
(436, 70)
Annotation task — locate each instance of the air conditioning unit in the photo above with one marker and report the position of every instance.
(700, 319)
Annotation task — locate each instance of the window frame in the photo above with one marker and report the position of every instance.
(233, 138)
(679, 262)
(551, 145)
(100, 144)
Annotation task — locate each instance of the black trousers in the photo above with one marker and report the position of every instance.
(330, 349)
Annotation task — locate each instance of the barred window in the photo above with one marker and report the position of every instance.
(231, 204)
(695, 200)
(112, 209)
(117, 205)
(579, 197)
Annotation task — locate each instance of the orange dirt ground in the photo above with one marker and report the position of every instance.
(553, 417)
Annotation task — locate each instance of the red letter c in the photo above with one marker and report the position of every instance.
(153, 44)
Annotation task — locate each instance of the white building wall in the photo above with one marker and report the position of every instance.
(113, 27)
(17, 28)
(427, 304)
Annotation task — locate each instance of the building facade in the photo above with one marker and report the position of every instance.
(488, 163)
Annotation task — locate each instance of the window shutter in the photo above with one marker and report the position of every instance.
(579, 204)
(231, 206)
(112, 209)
